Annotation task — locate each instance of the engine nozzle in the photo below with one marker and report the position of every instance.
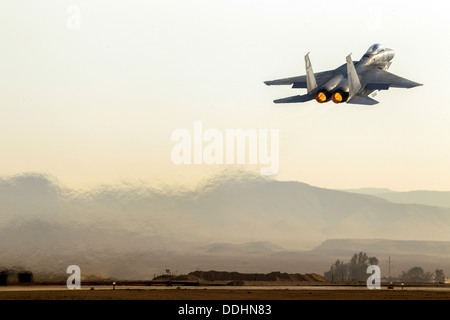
(339, 96)
(323, 96)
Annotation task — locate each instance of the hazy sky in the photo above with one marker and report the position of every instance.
(98, 103)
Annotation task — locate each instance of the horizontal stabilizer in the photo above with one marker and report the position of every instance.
(298, 84)
(295, 99)
(286, 81)
(377, 86)
(363, 100)
(321, 78)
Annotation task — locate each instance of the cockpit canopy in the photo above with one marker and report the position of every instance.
(374, 49)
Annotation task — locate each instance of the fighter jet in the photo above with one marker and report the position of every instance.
(352, 82)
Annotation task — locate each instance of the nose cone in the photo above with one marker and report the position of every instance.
(391, 54)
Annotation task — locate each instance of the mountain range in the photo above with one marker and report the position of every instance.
(246, 224)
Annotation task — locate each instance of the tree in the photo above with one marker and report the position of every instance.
(358, 266)
(338, 271)
(416, 274)
(355, 269)
(439, 275)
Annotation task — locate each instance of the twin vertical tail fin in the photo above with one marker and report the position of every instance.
(311, 83)
(311, 86)
(353, 79)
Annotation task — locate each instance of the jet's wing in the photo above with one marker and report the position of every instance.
(295, 99)
(378, 79)
(300, 81)
(363, 100)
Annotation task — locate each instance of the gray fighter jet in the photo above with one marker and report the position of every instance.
(352, 82)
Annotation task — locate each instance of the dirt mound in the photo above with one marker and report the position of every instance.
(183, 277)
(312, 277)
(236, 276)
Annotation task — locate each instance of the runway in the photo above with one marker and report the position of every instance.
(223, 293)
(294, 288)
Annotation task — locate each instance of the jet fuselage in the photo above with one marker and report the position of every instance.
(337, 88)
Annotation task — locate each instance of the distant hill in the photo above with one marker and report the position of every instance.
(429, 198)
(370, 191)
(404, 254)
(244, 248)
(384, 246)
